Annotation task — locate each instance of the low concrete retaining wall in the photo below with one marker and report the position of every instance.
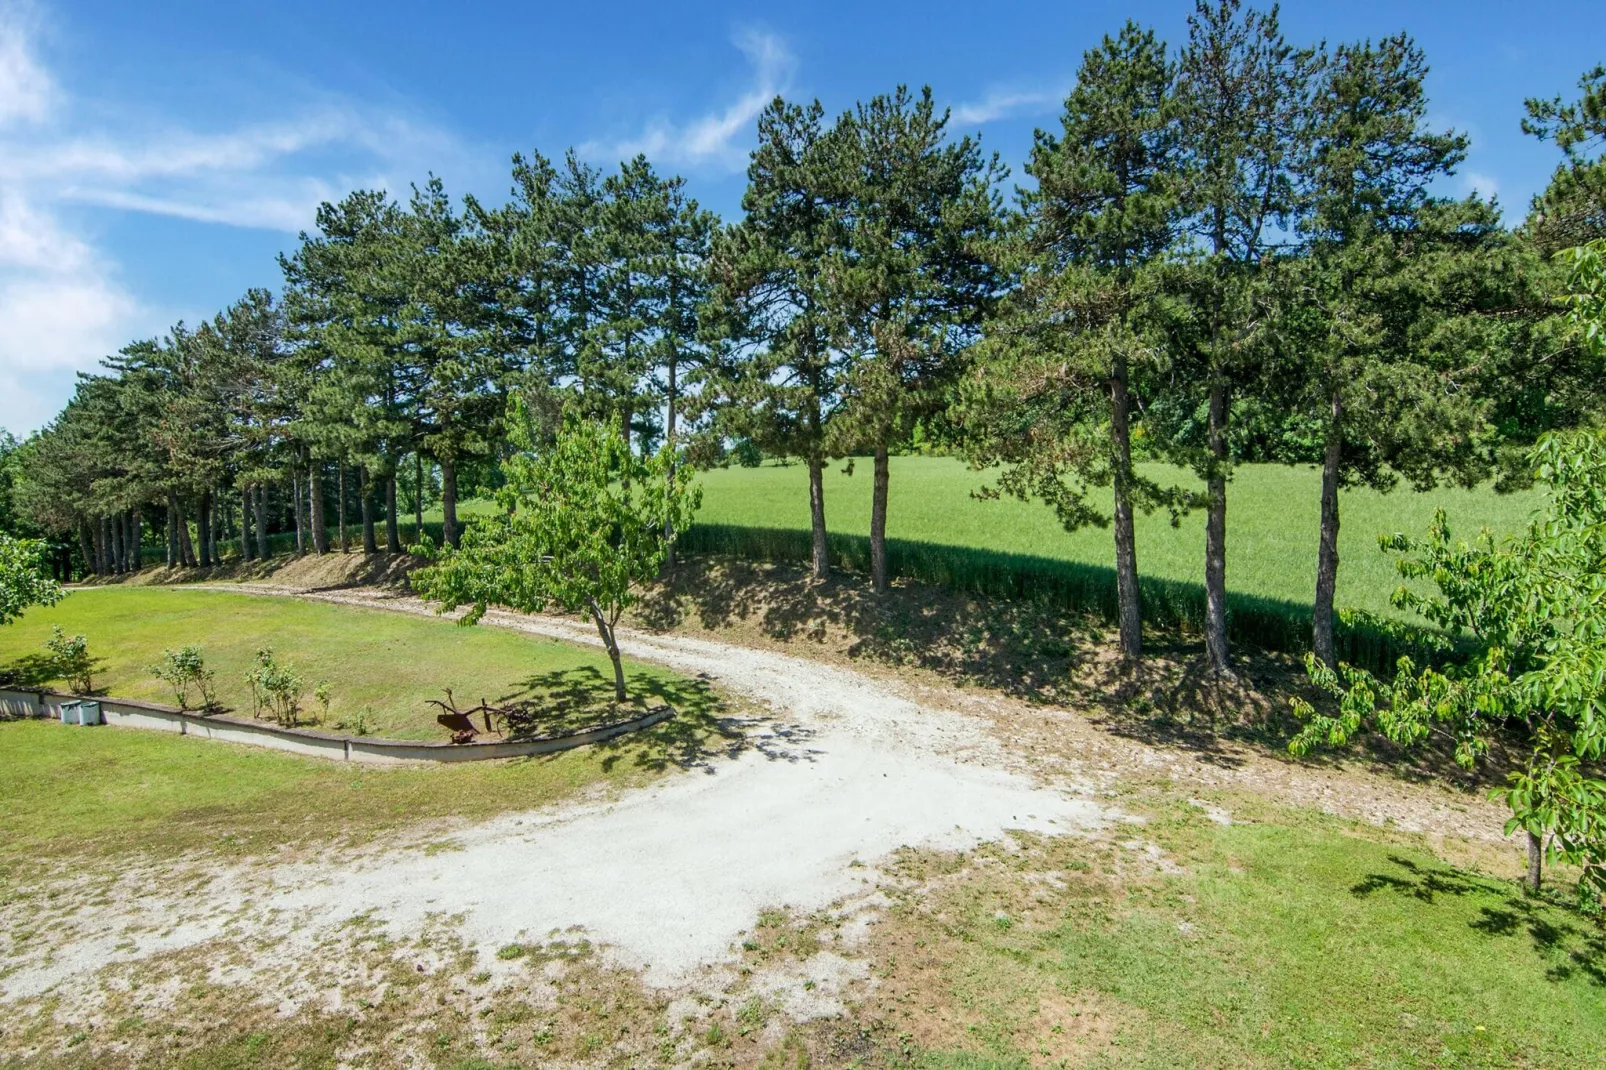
(128, 713)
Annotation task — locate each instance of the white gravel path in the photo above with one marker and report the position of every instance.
(666, 878)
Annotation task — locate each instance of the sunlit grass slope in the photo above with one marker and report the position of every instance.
(380, 666)
(1272, 515)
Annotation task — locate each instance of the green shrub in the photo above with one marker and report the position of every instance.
(70, 661)
(183, 669)
(275, 689)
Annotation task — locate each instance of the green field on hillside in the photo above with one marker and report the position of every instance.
(1272, 514)
(381, 667)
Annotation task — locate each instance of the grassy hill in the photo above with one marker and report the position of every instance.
(1272, 514)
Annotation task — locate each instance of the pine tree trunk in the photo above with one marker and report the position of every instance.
(136, 528)
(298, 511)
(262, 521)
(186, 546)
(114, 544)
(245, 524)
(86, 547)
(320, 529)
(392, 526)
(1128, 599)
(219, 521)
(822, 548)
(1216, 650)
(365, 494)
(203, 529)
(672, 395)
(878, 523)
(1536, 863)
(345, 545)
(418, 495)
(1323, 644)
(449, 530)
(173, 559)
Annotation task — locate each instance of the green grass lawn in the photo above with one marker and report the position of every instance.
(1291, 940)
(381, 667)
(98, 793)
(1272, 514)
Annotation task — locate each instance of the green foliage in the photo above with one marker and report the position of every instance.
(1586, 298)
(69, 660)
(23, 582)
(1571, 211)
(1533, 610)
(183, 669)
(583, 522)
(276, 689)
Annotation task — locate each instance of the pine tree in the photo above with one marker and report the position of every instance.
(1245, 116)
(780, 375)
(1056, 376)
(910, 283)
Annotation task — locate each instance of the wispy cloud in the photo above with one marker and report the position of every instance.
(1483, 185)
(1005, 103)
(63, 302)
(716, 140)
(26, 89)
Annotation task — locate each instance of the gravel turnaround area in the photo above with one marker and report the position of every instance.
(664, 879)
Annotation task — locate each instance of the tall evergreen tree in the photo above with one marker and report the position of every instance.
(1245, 117)
(1572, 209)
(1053, 396)
(781, 374)
(1370, 288)
(911, 282)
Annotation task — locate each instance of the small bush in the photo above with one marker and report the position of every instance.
(70, 660)
(359, 725)
(276, 689)
(183, 669)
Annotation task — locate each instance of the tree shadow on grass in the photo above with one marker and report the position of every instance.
(1032, 651)
(1555, 930)
(29, 671)
(1023, 648)
(573, 700)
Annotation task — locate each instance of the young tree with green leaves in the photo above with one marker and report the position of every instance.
(1051, 397)
(1532, 610)
(581, 526)
(23, 581)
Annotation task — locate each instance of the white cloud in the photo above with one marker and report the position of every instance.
(26, 89)
(718, 139)
(1004, 103)
(63, 304)
(1483, 185)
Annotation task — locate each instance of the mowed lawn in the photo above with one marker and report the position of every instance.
(1290, 939)
(382, 668)
(1272, 517)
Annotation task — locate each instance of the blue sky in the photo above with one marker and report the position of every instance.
(155, 157)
